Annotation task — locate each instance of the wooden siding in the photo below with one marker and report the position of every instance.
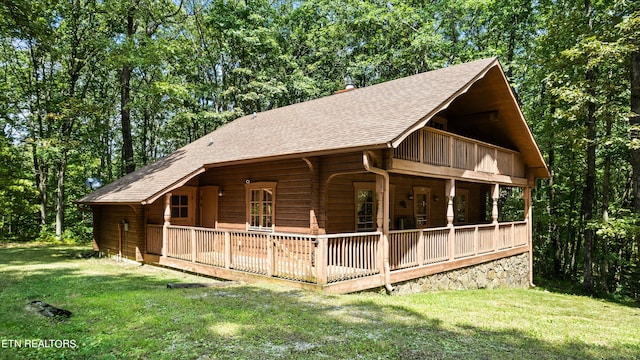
(341, 207)
(403, 206)
(337, 203)
(110, 235)
(293, 193)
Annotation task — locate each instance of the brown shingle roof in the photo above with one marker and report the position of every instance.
(370, 117)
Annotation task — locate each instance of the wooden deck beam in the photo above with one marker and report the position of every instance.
(407, 167)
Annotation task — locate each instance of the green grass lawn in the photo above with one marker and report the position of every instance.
(126, 311)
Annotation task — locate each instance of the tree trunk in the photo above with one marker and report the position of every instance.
(41, 183)
(606, 196)
(588, 197)
(125, 99)
(634, 122)
(62, 169)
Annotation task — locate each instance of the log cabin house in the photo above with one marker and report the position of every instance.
(361, 189)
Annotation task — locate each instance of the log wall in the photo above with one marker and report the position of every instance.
(109, 233)
(293, 193)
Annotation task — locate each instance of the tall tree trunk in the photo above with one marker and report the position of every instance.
(62, 169)
(606, 196)
(41, 176)
(145, 131)
(588, 197)
(36, 131)
(125, 99)
(634, 122)
(553, 215)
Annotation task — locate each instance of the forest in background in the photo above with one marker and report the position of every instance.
(93, 88)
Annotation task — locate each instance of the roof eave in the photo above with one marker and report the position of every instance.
(336, 151)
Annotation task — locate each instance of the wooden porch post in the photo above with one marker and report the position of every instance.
(382, 191)
(528, 217)
(314, 223)
(383, 222)
(194, 253)
(450, 192)
(321, 261)
(271, 244)
(227, 250)
(167, 222)
(495, 195)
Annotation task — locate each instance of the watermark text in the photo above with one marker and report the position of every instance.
(38, 344)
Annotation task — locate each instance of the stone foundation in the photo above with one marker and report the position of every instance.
(511, 272)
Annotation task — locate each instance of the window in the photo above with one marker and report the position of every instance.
(421, 207)
(366, 207)
(261, 206)
(179, 206)
(183, 206)
(460, 207)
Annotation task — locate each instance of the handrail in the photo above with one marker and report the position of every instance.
(333, 236)
(465, 227)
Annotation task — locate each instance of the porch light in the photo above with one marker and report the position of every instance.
(435, 198)
(410, 196)
(220, 193)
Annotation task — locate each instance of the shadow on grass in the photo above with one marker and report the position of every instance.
(569, 287)
(127, 312)
(14, 254)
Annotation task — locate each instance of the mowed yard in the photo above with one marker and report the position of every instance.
(126, 311)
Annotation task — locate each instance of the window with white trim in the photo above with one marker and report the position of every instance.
(261, 201)
(183, 201)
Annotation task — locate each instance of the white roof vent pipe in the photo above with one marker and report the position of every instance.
(348, 83)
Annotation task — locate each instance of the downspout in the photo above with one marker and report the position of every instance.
(385, 218)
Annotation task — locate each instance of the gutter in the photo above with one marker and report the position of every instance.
(385, 218)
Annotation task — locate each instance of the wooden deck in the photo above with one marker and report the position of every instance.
(337, 263)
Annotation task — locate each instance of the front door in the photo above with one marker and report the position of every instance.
(209, 206)
(421, 206)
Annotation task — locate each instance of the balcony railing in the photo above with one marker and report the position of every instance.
(439, 148)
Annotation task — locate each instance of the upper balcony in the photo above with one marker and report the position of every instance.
(443, 154)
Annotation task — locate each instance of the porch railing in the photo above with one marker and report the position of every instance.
(350, 256)
(441, 148)
(412, 248)
(326, 259)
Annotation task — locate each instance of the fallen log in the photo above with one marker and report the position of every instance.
(200, 285)
(48, 310)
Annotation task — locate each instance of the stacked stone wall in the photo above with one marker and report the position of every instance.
(511, 272)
